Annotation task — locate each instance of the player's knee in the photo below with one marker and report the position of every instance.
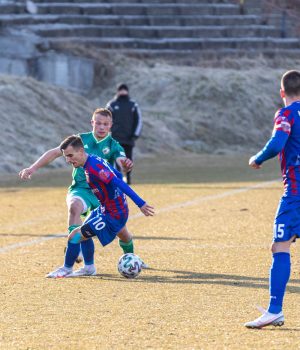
(75, 236)
(281, 247)
(75, 207)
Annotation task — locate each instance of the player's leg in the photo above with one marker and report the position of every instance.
(126, 243)
(80, 202)
(125, 240)
(286, 223)
(72, 251)
(76, 207)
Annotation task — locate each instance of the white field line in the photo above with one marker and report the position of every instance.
(195, 201)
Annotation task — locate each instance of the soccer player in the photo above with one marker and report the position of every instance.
(285, 141)
(80, 198)
(109, 219)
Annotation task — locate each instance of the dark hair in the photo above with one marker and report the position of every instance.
(103, 111)
(290, 83)
(122, 87)
(73, 140)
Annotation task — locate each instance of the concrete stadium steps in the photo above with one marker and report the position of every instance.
(181, 44)
(136, 1)
(127, 20)
(85, 8)
(96, 31)
(166, 25)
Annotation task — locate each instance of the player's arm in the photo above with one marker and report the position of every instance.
(145, 208)
(45, 159)
(271, 149)
(119, 157)
(125, 164)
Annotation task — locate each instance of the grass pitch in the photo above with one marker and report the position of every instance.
(208, 248)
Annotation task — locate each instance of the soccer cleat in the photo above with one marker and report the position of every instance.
(61, 272)
(266, 319)
(84, 271)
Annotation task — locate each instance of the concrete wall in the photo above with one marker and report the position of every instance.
(20, 56)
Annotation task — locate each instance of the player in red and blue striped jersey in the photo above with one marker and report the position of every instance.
(285, 142)
(109, 219)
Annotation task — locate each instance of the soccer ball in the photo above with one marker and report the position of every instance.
(129, 265)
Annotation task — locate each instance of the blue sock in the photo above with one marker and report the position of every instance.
(279, 276)
(88, 249)
(71, 254)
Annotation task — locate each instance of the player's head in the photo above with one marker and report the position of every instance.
(290, 84)
(101, 122)
(73, 151)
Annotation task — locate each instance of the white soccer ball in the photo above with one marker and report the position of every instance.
(129, 265)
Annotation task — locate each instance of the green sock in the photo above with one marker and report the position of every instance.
(72, 227)
(126, 246)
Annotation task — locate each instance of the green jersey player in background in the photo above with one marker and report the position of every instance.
(80, 198)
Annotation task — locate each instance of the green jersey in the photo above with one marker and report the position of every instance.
(107, 148)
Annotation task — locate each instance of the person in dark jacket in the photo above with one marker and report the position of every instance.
(127, 121)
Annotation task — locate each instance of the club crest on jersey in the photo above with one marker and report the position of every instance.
(104, 175)
(106, 150)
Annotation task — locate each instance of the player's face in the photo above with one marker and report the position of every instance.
(101, 126)
(74, 156)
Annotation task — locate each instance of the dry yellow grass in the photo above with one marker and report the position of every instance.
(209, 259)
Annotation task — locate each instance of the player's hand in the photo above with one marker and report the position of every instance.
(26, 173)
(127, 164)
(252, 163)
(147, 210)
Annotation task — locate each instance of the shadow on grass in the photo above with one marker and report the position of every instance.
(65, 235)
(32, 235)
(184, 277)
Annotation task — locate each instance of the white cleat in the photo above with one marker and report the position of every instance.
(267, 319)
(61, 272)
(84, 271)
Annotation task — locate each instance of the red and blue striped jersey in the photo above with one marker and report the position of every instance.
(99, 175)
(287, 120)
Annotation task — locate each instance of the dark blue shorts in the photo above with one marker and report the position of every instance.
(103, 226)
(287, 219)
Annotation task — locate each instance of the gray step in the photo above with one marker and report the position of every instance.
(181, 44)
(91, 31)
(26, 19)
(126, 9)
(138, 1)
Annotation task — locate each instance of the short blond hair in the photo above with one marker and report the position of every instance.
(102, 111)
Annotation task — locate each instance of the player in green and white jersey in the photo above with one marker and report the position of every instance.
(80, 198)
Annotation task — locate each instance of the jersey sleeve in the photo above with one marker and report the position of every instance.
(282, 122)
(281, 132)
(128, 191)
(118, 151)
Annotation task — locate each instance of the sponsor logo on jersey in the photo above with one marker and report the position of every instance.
(86, 146)
(283, 124)
(116, 107)
(95, 190)
(106, 150)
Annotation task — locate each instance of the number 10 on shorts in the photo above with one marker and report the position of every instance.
(278, 230)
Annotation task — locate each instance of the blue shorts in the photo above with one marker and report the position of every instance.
(287, 219)
(103, 226)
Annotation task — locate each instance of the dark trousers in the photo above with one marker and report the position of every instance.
(128, 151)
